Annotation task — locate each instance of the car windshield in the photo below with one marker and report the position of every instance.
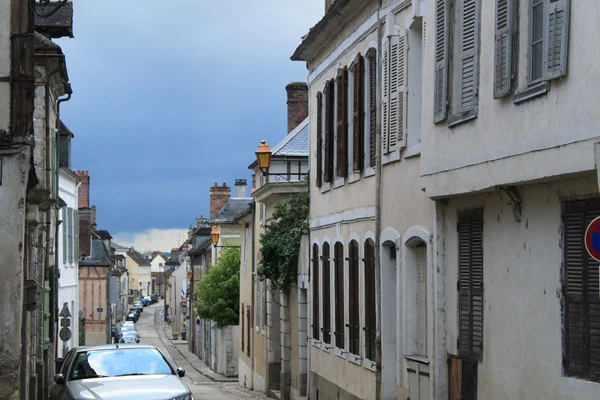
(128, 329)
(119, 362)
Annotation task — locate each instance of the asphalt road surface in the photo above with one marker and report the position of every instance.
(202, 387)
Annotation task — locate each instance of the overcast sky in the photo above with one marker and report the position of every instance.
(170, 97)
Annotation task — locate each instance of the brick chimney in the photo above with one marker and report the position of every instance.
(219, 196)
(85, 231)
(297, 102)
(240, 188)
(84, 189)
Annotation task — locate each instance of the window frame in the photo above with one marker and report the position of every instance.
(530, 80)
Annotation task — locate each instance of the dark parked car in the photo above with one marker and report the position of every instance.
(132, 317)
(145, 301)
(135, 310)
(154, 298)
(130, 371)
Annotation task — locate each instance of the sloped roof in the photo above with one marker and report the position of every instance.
(59, 24)
(118, 247)
(200, 245)
(295, 144)
(99, 257)
(234, 207)
(103, 234)
(138, 258)
(42, 42)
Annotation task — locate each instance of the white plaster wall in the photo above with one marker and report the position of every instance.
(566, 114)
(522, 354)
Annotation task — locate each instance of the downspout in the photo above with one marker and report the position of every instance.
(252, 294)
(58, 102)
(378, 173)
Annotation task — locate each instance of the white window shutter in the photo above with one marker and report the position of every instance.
(440, 95)
(557, 37)
(503, 48)
(398, 92)
(385, 96)
(469, 57)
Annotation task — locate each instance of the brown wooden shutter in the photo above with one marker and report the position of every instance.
(329, 93)
(354, 321)
(370, 307)
(326, 295)
(358, 129)
(249, 326)
(339, 296)
(470, 285)
(581, 356)
(372, 106)
(315, 292)
(342, 122)
(319, 168)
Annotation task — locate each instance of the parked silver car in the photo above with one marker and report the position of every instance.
(123, 371)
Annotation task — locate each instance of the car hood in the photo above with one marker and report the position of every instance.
(146, 387)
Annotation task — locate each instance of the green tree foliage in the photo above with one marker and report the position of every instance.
(219, 290)
(280, 243)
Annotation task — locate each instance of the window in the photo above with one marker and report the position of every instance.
(465, 64)
(329, 103)
(358, 113)
(315, 292)
(370, 311)
(503, 48)
(326, 295)
(470, 284)
(421, 264)
(243, 331)
(353, 277)
(548, 37)
(319, 160)
(339, 295)
(372, 105)
(342, 123)
(581, 350)
(249, 319)
(394, 93)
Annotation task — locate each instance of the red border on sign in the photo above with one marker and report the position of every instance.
(593, 226)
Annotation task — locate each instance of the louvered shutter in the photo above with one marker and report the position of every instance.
(398, 92)
(64, 234)
(503, 49)
(385, 97)
(470, 285)
(70, 235)
(372, 107)
(319, 150)
(76, 236)
(440, 95)
(582, 303)
(315, 292)
(358, 104)
(469, 57)
(557, 35)
(329, 93)
(326, 295)
(342, 123)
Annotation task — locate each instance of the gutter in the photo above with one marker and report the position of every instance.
(378, 175)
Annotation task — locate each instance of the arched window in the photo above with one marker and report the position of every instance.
(326, 295)
(370, 311)
(339, 295)
(315, 292)
(353, 277)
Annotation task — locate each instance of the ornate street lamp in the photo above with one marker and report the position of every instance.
(214, 237)
(263, 157)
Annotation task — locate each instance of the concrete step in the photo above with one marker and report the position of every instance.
(275, 394)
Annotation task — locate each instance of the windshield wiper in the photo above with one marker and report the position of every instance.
(88, 377)
(135, 373)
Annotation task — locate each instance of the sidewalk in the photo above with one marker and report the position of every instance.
(182, 347)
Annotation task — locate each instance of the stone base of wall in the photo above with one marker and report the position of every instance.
(94, 338)
(274, 372)
(321, 388)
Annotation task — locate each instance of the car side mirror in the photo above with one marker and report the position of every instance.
(181, 372)
(58, 364)
(59, 379)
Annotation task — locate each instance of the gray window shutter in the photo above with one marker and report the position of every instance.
(469, 54)
(398, 92)
(76, 235)
(440, 97)
(385, 90)
(319, 160)
(70, 234)
(503, 50)
(557, 37)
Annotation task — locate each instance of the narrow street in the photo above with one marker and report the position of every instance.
(151, 331)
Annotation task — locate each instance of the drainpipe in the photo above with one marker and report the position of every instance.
(378, 173)
(57, 217)
(252, 295)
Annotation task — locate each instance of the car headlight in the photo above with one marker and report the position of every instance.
(184, 397)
